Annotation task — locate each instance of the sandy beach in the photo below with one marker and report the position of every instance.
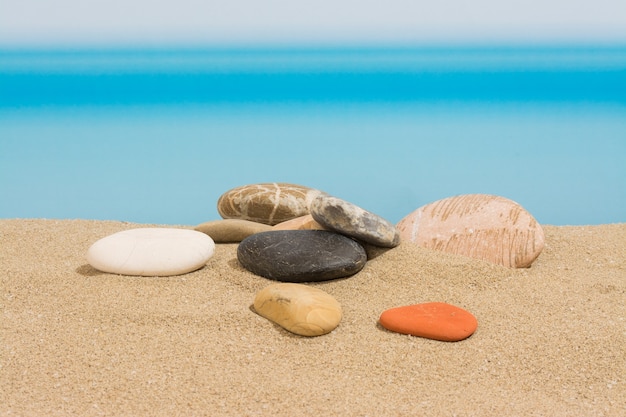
(551, 339)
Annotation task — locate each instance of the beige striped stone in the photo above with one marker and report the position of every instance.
(268, 203)
(481, 226)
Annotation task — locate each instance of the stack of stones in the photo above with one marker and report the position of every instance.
(298, 234)
(295, 235)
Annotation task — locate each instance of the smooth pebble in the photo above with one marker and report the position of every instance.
(231, 230)
(151, 252)
(438, 321)
(299, 223)
(268, 203)
(301, 255)
(480, 226)
(299, 308)
(351, 220)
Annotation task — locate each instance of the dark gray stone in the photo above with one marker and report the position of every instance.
(301, 255)
(351, 220)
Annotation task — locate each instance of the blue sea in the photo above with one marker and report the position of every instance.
(157, 135)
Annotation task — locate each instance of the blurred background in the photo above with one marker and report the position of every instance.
(147, 112)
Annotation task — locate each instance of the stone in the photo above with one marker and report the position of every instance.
(268, 203)
(301, 255)
(151, 251)
(299, 308)
(299, 223)
(438, 321)
(231, 230)
(346, 218)
(481, 226)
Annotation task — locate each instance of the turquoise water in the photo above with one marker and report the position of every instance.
(156, 136)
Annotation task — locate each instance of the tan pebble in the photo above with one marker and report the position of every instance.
(481, 226)
(299, 308)
(269, 203)
(231, 230)
(299, 223)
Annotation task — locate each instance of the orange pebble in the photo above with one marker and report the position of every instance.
(439, 321)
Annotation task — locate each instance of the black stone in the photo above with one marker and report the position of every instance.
(301, 255)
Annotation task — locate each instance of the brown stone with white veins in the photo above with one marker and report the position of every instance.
(481, 226)
(231, 230)
(268, 203)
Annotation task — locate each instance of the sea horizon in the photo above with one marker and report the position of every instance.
(223, 75)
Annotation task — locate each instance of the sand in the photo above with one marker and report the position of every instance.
(74, 341)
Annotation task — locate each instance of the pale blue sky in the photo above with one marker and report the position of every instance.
(143, 22)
